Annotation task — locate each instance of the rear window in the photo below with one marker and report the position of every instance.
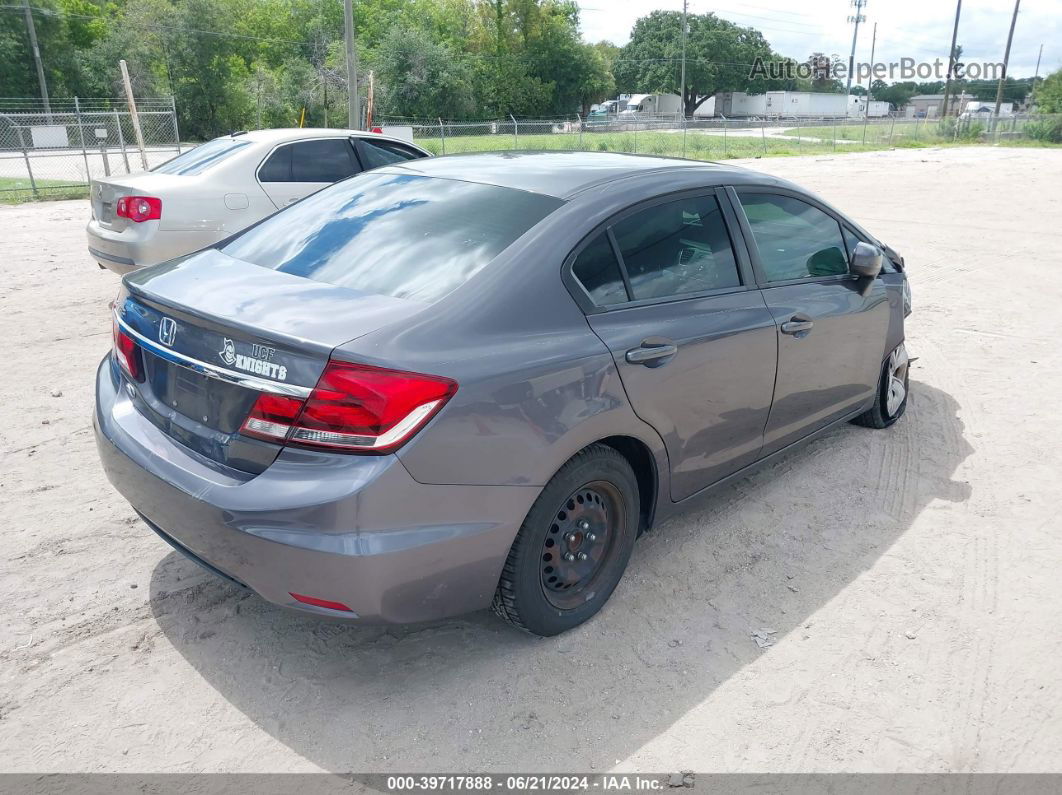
(405, 236)
(198, 160)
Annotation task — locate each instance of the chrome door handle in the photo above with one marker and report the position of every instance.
(651, 353)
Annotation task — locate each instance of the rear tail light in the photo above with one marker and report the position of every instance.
(125, 351)
(139, 208)
(354, 407)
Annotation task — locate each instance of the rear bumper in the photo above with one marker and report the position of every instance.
(140, 245)
(351, 529)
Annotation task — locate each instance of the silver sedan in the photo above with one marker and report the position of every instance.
(223, 186)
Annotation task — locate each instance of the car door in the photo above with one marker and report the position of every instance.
(673, 298)
(831, 325)
(293, 171)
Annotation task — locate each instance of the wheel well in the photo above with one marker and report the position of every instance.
(641, 460)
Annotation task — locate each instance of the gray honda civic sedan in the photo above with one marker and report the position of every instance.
(474, 380)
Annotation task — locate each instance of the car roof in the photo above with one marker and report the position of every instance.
(563, 174)
(283, 134)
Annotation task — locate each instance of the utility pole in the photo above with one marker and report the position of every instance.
(682, 81)
(951, 56)
(870, 83)
(353, 100)
(133, 115)
(1006, 58)
(857, 18)
(1036, 75)
(31, 28)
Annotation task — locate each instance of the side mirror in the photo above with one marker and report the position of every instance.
(866, 261)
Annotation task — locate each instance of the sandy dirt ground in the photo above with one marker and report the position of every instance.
(910, 577)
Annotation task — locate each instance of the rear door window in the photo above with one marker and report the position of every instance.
(597, 270)
(277, 167)
(322, 160)
(795, 239)
(401, 235)
(380, 153)
(676, 248)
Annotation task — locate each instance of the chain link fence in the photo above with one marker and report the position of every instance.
(718, 138)
(53, 152)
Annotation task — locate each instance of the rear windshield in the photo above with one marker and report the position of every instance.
(198, 160)
(400, 235)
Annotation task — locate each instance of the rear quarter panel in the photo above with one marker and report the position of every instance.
(536, 385)
(220, 201)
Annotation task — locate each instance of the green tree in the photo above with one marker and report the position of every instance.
(822, 68)
(719, 56)
(421, 77)
(1049, 93)
(555, 54)
(898, 94)
(505, 86)
(64, 28)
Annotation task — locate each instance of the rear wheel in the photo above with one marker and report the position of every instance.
(573, 547)
(893, 388)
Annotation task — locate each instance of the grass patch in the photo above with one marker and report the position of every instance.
(698, 145)
(811, 140)
(16, 190)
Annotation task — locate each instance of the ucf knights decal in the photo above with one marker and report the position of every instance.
(259, 362)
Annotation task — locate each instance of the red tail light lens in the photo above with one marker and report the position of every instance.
(139, 208)
(125, 351)
(272, 416)
(313, 600)
(354, 407)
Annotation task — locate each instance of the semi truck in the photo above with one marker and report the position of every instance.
(646, 105)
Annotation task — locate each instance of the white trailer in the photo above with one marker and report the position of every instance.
(798, 104)
(733, 104)
(705, 110)
(642, 105)
(827, 104)
(805, 104)
(877, 109)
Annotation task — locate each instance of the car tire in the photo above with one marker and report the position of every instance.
(893, 392)
(574, 545)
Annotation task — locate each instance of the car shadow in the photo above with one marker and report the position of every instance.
(766, 551)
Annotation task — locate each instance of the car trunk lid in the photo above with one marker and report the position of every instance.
(214, 333)
(105, 193)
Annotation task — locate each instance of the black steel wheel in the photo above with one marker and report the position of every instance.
(579, 542)
(573, 547)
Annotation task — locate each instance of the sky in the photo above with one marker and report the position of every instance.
(919, 29)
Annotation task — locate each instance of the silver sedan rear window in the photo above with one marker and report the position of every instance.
(204, 156)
